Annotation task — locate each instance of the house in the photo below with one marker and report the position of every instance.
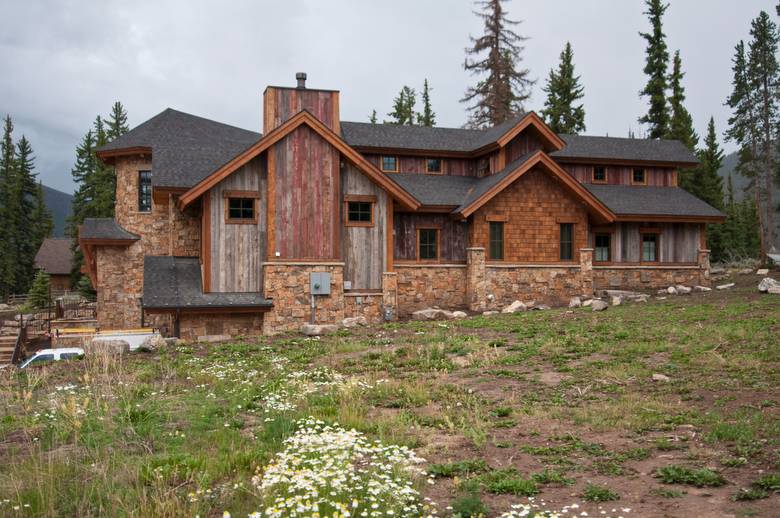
(55, 257)
(220, 230)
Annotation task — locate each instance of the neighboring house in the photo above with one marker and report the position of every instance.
(220, 230)
(55, 257)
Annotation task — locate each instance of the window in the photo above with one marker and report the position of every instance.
(649, 248)
(360, 213)
(602, 248)
(567, 241)
(390, 164)
(599, 174)
(433, 166)
(496, 241)
(144, 191)
(428, 244)
(638, 176)
(241, 210)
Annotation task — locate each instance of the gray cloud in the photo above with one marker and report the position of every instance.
(65, 62)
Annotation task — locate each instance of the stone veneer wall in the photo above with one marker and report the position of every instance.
(424, 286)
(194, 325)
(368, 305)
(646, 277)
(551, 285)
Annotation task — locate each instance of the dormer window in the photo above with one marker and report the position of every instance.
(433, 166)
(144, 191)
(599, 174)
(390, 164)
(638, 176)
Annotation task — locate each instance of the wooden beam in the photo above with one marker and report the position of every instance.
(270, 222)
(389, 239)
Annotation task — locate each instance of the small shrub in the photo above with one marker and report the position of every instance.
(502, 411)
(664, 492)
(749, 493)
(770, 482)
(508, 482)
(459, 468)
(551, 476)
(701, 477)
(594, 493)
(468, 506)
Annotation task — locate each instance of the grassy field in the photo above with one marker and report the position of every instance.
(556, 409)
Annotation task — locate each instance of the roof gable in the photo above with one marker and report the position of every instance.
(55, 256)
(614, 149)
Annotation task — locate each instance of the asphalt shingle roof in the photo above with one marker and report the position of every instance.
(175, 282)
(487, 183)
(436, 189)
(185, 148)
(105, 228)
(55, 256)
(657, 201)
(614, 148)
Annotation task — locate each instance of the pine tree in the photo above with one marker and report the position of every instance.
(27, 189)
(656, 63)
(708, 183)
(563, 91)
(8, 210)
(372, 117)
(504, 87)
(39, 292)
(403, 107)
(681, 122)
(427, 117)
(117, 122)
(41, 219)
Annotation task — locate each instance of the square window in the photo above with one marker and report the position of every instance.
(638, 176)
(428, 244)
(144, 191)
(567, 241)
(241, 209)
(599, 174)
(649, 248)
(360, 213)
(433, 166)
(496, 241)
(390, 164)
(602, 252)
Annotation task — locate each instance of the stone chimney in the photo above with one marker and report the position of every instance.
(282, 102)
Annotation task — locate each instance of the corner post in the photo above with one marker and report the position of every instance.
(704, 267)
(476, 279)
(390, 295)
(586, 271)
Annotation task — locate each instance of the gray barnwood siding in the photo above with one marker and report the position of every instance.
(237, 251)
(363, 247)
(679, 242)
(453, 237)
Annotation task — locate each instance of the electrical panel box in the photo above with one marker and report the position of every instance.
(320, 283)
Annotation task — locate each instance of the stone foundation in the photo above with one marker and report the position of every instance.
(193, 325)
(424, 286)
(549, 285)
(368, 305)
(646, 277)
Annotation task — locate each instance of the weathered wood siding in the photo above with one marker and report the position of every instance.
(679, 242)
(416, 164)
(452, 236)
(238, 250)
(364, 247)
(279, 104)
(525, 142)
(621, 175)
(306, 204)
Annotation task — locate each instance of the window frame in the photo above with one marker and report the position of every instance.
(593, 174)
(657, 235)
(437, 244)
(499, 224)
(359, 198)
(428, 169)
(144, 179)
(608, 235)
(382, 164)
(561, 242)
(241, 195)
(634, 170)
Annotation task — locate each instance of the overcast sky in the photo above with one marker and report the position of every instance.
(64, 62)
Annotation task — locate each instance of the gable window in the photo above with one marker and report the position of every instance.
(433, 166)
(496, 241)
(144, 191)
(359, 211)
(638, 176)
(599, 174)
(602, 252)
(390, 164)
(649, 248)
(428, 244)
(567, 242)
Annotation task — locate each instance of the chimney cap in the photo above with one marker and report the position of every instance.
(301, 78)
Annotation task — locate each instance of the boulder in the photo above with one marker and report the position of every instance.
(701, 288)
(725, 286)
(599, 305)
(768, 283)
(107, 346)
(717, 270)
(514, 307)
(745, 271)
(152, 343)
(671, 290)
(459, 314)
(351, 322)
(762, 271)
(661, 377)
(617, 300)
(682, 290)
(588, 303)
(540, 307)
(641, 298)
(661, 298)
(575, 302)
(318, 329)
(212, 339)
(774, 290)
(432, 314)
(626, 294)
(488, 313)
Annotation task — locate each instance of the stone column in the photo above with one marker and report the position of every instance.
(476, 279)
(704, 267)
(586, 271)
(390, 295)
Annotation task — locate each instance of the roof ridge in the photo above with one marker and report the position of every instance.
(174, 110)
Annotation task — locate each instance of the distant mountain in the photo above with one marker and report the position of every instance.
(60, 205)
(740, 184)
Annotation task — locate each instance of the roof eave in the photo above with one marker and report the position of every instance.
(624, 161)
(682, 218)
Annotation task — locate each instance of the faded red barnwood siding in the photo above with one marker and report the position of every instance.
(279, 104)
(306, 194)
(525, 142)
(453, 236)
(416, 164)
(621, 175)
